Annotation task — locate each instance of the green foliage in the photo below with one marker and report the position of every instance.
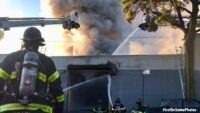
(130, 15)
(165, 17)
(127, 8)
(165, 10)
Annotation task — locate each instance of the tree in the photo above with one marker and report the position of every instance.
(1, 34)
(172, 12)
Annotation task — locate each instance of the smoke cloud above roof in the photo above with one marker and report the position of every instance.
(101, 24)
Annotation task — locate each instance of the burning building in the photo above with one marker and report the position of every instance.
(100, 33)
(87, 78)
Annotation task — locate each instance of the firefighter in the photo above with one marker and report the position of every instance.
(45, 94)
(148, 22)
(145, 20)
(139, 107)
(99, 108)
(152, 26)
(118, 107)
(74, 19)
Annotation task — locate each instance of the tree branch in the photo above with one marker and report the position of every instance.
(198, 30)
(185, 9)
(179, 26)
(180, 17)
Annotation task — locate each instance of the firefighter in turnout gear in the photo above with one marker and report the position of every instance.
(118, 107)
(138, 107)
(148, 22)
(99, 108)
(29, 82)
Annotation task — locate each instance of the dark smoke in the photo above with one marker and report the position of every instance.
(101, 24)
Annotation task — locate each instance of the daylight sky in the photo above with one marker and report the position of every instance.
(28, 8)
(20, 8)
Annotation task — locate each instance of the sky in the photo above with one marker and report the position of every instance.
(20, 8)
(29, 8)
(53, 35)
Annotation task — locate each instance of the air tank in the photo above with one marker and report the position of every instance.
(29, 74)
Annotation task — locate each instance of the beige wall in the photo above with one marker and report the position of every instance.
(125, 62)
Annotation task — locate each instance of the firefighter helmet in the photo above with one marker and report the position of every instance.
(33, 34)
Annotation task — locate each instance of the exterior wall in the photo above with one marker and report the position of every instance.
(127, 84)
(197, 65)
(125, 62)
(197, 78)
(162, 83)
(158, 85)
(197, 52)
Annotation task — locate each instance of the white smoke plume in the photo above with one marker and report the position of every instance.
(101, 24)
(164, 41)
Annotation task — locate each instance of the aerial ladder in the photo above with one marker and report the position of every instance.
(180, 65)
(70, 22)
(67, 22)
